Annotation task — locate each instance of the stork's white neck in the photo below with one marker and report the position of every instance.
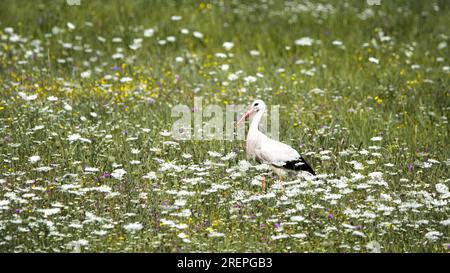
(255, 122)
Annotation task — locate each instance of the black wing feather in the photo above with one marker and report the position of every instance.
(299, 165)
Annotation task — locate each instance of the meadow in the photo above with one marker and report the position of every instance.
(89, 164)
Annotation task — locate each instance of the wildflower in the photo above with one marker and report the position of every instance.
(198, 35)
(278, 237)
(71, 26)
(299, 236)
(75, 137)
(228, 45)
(244, 165)
(216, 234)
(297, 218)
(376, 175)
(43, 169)
(224, 67)
(214, 154)
(180, 202)
(67, 107)
(249, 79)
(232, 77)
(433, 236)
(410, 167)
(356, 165)
(186, 156)
(378, 138)
(52, 98)
(118, 173)
(133, 227)
(150, 175)
(229, 156)
(100, 232)
(49, 212)
(34, 158)
(441, 188)
(149, 32)
(373, 247)
(165, 133)
(4, 204)
(27, 97)
(254, 53)
(358, 234)
(378, 99)
(91, 169)
(125, 79)
(77, 244)
(374, 60)
(221, 55)
(117, 56)
(86, 74)
(305, 41)
(103, 188)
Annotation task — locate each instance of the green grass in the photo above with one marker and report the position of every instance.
(404, 99)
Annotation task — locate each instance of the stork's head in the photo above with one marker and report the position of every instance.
(256, 106)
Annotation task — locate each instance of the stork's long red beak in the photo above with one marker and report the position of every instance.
(245, 116)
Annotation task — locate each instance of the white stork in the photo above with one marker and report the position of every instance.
(279, 156)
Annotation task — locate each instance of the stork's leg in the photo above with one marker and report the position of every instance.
(281, 181)
(264, 184)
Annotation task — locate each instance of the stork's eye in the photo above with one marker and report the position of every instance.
(256, 104)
